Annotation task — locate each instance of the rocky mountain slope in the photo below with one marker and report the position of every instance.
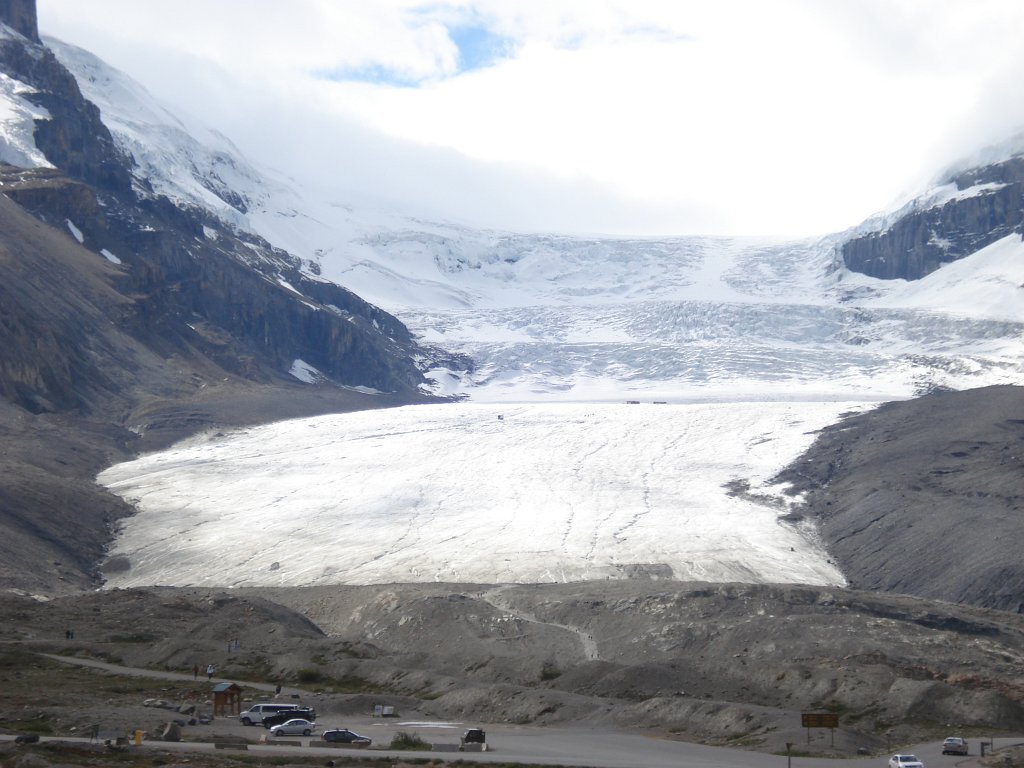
(128, 320)
(925, 497)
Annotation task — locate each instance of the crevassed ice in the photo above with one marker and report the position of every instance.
(477, 493)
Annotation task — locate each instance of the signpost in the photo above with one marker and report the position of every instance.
(828, 720)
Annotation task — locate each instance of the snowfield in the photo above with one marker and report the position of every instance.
(478, 493)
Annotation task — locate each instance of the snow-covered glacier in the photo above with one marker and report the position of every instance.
(478, 493)
(731, 353)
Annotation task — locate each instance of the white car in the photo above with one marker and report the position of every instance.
(296, 727)
(905, 761)
(257, 712)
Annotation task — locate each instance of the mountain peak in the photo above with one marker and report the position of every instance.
(20, 15)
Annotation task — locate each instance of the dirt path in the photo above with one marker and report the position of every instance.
(162, 675)
(493, 597)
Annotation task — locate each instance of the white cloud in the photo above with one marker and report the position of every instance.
(786, 117)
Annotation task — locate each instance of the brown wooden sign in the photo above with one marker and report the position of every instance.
(819, 720)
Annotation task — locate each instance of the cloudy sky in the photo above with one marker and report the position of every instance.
(787, 117)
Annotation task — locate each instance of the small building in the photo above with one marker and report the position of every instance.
(227, 699)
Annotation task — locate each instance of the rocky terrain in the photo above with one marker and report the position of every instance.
(925, 497)
(719, 664)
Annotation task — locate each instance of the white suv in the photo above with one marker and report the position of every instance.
(257, 712)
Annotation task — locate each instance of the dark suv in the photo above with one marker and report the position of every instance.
(472, 736)
(306, 713)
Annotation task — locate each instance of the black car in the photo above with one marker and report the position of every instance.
(345, 736)
(472, 736)
(305, 713)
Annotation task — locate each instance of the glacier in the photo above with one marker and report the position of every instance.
(628, 402)
(478, 493)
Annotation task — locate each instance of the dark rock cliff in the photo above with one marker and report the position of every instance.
(20, 15)
(196, 286)
(923, 240)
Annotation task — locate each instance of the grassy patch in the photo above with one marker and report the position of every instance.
(136, 637)
(354, 684)
(18, 658)
(310, 676)
(403, 740)
(40, 725)
(855, 717)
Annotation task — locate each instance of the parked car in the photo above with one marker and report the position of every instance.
(954, 745)
(345, 736)
(306, 713)
(905, 761)
(472, 736)
(257, 712)
(296, 727)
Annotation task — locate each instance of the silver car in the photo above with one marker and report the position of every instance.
(296, 727)
(954, 745)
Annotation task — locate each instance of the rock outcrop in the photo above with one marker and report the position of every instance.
(988, 205)
(20, 15)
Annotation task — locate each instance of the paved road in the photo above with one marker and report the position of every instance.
(578, 748)
(529, 745)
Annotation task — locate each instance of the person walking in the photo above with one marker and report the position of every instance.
(195, 671)
(209, 672)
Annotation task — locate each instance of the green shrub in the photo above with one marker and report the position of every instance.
(308, 676)
(403, 740)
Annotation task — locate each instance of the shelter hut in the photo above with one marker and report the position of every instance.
(227, 699)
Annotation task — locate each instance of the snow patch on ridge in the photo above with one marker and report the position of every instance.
(305, 372)
(75, 231)
(17, 125)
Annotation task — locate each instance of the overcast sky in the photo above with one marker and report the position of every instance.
(780, 117)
